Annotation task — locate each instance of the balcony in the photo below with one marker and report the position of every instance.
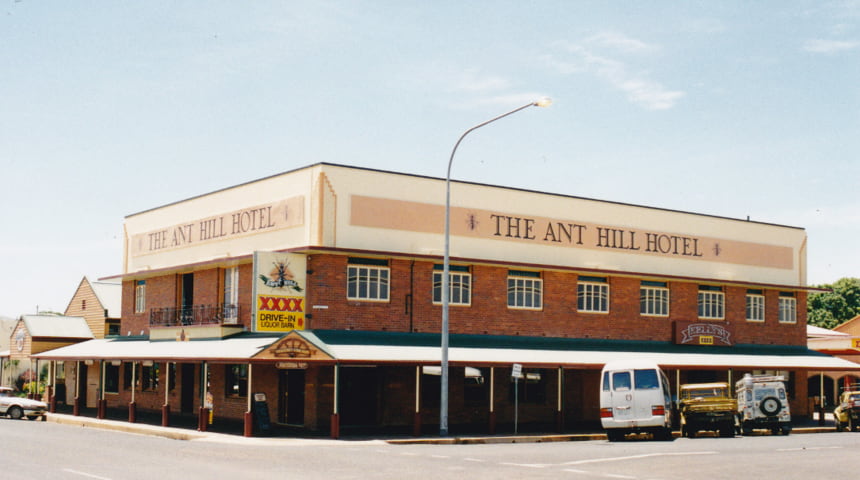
(222, 314)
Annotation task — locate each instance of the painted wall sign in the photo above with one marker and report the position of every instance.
(279, 291)
(564, 232)
(246, 221)
(702, 333)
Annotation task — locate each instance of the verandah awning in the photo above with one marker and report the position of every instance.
(372, 348)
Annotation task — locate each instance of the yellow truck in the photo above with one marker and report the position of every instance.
(708, 406)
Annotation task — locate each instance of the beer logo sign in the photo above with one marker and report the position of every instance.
(281, 277)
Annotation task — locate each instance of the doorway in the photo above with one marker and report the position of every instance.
(186, 401)
(291, 392)
(187, 299)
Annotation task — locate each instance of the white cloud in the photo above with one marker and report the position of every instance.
(638, 87)
(830, 46)
(619, 41)
(475, 82)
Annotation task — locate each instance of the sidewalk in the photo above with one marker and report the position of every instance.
(230, 435)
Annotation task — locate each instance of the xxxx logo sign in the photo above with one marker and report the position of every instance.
(280, 304)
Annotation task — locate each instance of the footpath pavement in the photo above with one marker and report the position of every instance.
(177, 433)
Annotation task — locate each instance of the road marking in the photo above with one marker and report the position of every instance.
(634, 457)
(474, 460)
(615, 475)
(526, 465)
(85, 474)
(800, 449)
(440, 456)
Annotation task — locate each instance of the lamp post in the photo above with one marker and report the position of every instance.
(443, 403)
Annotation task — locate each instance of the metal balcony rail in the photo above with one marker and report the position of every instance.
(194, 315)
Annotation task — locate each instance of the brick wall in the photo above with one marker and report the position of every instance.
(410, 307)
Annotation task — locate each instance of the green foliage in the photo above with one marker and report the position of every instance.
(840, 304)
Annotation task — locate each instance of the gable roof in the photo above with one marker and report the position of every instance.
(110, 296)
(57, 326)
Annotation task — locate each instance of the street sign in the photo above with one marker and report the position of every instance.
(517, 371)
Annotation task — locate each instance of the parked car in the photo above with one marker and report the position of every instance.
(635, 398)
(18, 407)
(708, 406)
(763, 403)
(847, 413)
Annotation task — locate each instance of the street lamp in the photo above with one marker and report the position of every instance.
(443, 403)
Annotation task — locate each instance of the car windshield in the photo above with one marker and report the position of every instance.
(705, 393)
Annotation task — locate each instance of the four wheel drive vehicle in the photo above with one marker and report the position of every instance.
(847, 413)
(708, 406)
(763, 403)
(19, 407)
(635, 398)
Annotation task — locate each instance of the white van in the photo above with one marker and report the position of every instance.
(635, 397)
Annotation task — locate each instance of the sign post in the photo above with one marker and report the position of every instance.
(516, 374)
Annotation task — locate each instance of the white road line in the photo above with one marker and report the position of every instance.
(614, 475)
(440, 456)
(474, 460)
(85, 474)
(573, 470)
(526, 465)
(800, 449)
(634, 457)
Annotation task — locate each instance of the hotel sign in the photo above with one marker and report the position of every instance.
(564, 231)
(702, 333)
(228, 225)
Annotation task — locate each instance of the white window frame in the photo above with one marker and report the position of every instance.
(654, 301)
(787, 310)
(231, 294)
(140, 296)
(592, 297)
(755, 305)
(372, 283)
(712, 304)
(459, 288)
(525, 290)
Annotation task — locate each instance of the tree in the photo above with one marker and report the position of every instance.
(832, 308)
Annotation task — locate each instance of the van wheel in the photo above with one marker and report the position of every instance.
(786, 429)
(16, 413)
(728, 431)
(614, 435)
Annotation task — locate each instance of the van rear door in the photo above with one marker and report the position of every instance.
(634, 393)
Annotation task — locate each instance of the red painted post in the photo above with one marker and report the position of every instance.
(165, 415)
(249, 424)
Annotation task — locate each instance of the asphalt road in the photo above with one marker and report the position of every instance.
(45, 450)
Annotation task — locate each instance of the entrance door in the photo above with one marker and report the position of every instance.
(187, 299)
(186, 404)
(291, 389)
(82, 383)
(359, 396)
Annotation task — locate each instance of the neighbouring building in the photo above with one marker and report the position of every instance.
(313, 298)
(34, 334)
(843, 342)
(100, 304)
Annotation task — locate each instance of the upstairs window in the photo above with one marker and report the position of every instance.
(654, 299)
(367, 279)
(592, 295)
(755, 306)
(525, 290)
(459, 285)
(787, 308)
(712, 302)
(140, 296)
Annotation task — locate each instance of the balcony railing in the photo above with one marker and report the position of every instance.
(223, 314)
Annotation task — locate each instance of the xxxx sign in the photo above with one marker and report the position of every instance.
(279, 281)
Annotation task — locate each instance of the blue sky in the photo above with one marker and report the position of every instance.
(726, 108)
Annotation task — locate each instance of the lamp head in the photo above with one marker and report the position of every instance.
(543, 102)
